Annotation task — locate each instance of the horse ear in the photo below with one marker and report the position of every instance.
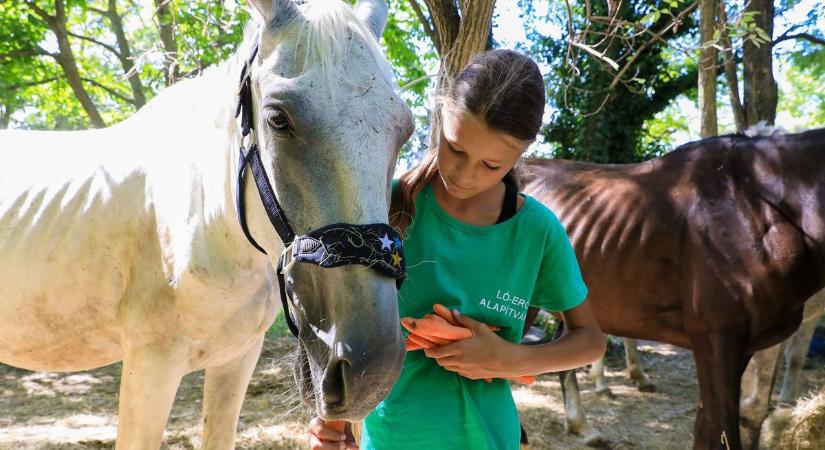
(374, 14)
(277, 10)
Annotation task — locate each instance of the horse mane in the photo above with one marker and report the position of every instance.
(760, 130)
(324, 30)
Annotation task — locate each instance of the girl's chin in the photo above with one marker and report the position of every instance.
(458, 192)
(462, 195)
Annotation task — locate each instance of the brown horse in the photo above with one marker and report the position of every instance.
(714, 247)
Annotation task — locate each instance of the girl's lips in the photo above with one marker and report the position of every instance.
(459, 187)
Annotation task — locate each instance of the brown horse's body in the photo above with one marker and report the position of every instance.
(713, 247)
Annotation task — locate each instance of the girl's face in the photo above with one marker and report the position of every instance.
(472, 157)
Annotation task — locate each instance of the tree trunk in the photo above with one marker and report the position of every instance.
(730, 71)
(166, 29)
(65, 58)
(707, 69)
(760, 86)
(461, 35)
(125, 55)
(5, 116)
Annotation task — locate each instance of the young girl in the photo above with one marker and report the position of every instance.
(476, 246)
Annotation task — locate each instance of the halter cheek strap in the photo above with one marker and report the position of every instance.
(377, 246)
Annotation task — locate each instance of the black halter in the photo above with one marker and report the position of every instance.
(377, 245)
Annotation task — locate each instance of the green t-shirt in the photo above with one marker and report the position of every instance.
(492, 274)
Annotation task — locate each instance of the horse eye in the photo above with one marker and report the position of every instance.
(279, 121)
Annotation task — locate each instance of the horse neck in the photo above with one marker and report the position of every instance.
(196, 157)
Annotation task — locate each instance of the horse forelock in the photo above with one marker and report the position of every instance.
(324, 29)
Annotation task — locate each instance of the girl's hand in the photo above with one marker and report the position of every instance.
(485, 355)
(322, 437)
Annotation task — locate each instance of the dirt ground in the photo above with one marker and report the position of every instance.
(40, 410)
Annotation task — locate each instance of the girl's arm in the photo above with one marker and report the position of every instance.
(582, 343)
(486, 355)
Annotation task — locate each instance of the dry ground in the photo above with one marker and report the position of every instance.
(41, 410)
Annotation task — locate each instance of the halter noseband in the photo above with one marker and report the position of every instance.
(377, 246)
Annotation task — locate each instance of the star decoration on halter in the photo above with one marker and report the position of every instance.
(396, 259)
(386, 242)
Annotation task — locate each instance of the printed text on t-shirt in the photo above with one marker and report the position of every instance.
(507, 304)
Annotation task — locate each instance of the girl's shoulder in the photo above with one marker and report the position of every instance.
(541, 217)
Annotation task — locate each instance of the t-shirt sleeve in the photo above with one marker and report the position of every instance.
(559, 286)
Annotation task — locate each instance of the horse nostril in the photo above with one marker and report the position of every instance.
(335, 387)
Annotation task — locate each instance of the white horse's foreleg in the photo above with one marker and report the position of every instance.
(757, 384)
(148, 385)
(798, 345)
(634, 367)
(223, 394)
(795, 353)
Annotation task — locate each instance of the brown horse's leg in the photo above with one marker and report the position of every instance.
(720, 361)
(634, 366)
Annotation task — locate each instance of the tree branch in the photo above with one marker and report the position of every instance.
(111, 91)
(14, 87)
(102, 44)
(99, 11)
(39, 11)
(24, 52)
(805, 36)
(428, 28)
(676, 20)
(730, 69)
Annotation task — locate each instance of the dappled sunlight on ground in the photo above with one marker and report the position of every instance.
(59, 411)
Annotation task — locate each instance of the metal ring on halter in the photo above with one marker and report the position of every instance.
(248, 139)
(288, 258)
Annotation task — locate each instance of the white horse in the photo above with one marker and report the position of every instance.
(123, 243)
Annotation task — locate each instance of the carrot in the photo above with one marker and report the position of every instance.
(445, 313)
(436, 328)
(439, 319)
(407, 323)
(422, 341)
(525, 379)
(441, 329)
(410, 345)
(434, 339)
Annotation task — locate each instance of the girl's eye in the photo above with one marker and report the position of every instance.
(489, 167)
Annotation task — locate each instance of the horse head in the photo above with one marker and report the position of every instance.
(329, 124)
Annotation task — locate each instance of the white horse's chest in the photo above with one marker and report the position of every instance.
(86, 264)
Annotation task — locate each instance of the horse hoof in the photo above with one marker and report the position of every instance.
(606, 392)
(648, 387)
